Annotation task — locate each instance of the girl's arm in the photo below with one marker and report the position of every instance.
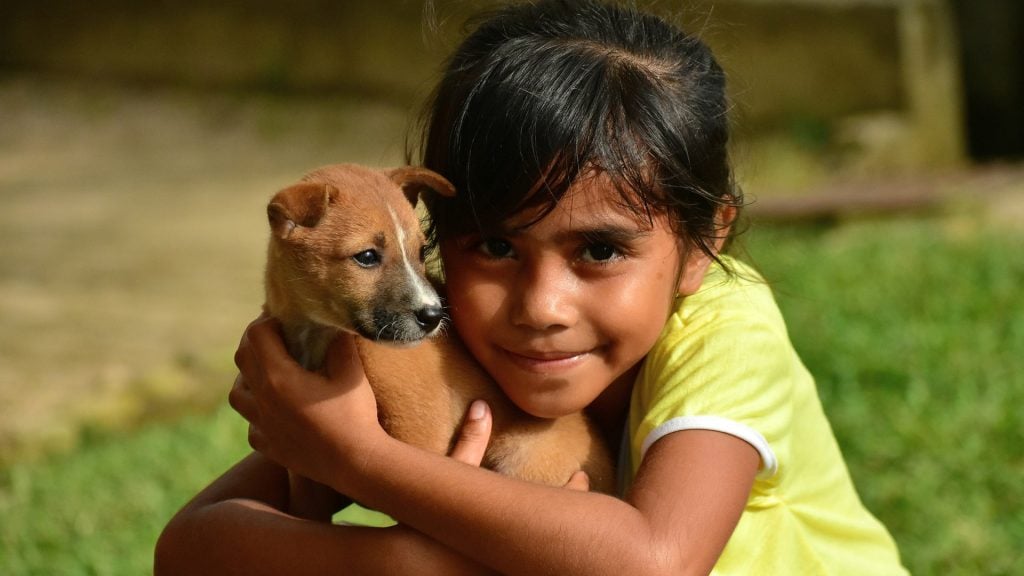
(236, 526)
(684, 505)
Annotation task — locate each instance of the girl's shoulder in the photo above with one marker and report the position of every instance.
(724, 360)
(732, 292)
(729, 325)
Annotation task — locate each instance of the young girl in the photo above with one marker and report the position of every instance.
(583, 270)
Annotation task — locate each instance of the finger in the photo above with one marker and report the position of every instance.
(579, 481)
(474, 435)
(241, 400)
(245, 356)
(244, 351)
(264, 336)
(262, 357)
(257, 441)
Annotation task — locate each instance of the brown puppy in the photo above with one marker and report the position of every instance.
(346, 255)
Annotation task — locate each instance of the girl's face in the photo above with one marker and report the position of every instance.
(560, 310)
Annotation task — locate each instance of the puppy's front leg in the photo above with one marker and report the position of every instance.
(312, 500)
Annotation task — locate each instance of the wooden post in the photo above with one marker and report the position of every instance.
(932, 80)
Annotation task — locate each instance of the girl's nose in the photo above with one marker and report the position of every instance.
(545, 296)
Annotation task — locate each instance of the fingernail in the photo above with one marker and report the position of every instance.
(477, 409)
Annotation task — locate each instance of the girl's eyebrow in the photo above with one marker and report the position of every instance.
(619, 236)
(610, 234)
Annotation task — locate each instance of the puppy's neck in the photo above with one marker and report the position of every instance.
(307, 342)
(305, 339)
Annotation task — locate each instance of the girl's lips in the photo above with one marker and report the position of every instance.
(536, 361)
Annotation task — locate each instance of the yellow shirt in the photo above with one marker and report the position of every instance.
(724, 362)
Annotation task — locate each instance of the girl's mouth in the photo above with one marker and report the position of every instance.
(546, 361)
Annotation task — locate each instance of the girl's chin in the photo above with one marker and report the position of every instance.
(547, 406)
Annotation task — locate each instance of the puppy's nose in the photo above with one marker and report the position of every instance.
(429, 317)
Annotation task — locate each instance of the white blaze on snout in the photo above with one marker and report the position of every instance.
(424, 292)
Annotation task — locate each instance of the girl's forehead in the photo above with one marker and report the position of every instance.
(592, 202)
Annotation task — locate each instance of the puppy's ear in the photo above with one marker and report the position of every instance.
(413, 180)
(299, 205)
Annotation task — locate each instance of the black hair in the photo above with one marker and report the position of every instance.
(544, 92)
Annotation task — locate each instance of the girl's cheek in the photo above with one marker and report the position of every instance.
(467, 293)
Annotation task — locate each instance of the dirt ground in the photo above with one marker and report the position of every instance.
(133, 230)
(132, 238)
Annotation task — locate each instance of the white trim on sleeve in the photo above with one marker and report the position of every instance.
(769, 464)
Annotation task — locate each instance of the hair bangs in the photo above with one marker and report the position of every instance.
(563, 114)
(536, 123)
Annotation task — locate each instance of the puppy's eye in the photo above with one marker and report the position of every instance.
(367, 258)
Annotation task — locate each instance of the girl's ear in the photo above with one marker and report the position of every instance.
(694, 268)
(697, 262)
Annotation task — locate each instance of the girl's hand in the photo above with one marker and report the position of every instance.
(315, 425)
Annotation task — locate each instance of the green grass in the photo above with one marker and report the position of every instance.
(98, 511)
(915, 332)
(914, 329)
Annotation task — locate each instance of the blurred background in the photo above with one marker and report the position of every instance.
(880, 144)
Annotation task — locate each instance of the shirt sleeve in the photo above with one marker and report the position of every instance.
(724, 364)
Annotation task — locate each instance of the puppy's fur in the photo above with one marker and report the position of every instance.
(346, 255)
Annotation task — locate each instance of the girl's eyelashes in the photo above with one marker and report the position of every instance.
(591, 253)
(587, 249)
(495, 248)
(600, 253)
(607, 246)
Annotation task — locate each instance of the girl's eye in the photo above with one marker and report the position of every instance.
(496, 248)
(600, 253)
(367, 258)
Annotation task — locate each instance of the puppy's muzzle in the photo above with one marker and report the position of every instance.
(429, 318)
(401, 328)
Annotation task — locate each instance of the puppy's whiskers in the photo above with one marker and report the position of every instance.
(384, 328)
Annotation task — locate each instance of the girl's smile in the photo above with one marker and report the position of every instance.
(546, 362)
(559, 309)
